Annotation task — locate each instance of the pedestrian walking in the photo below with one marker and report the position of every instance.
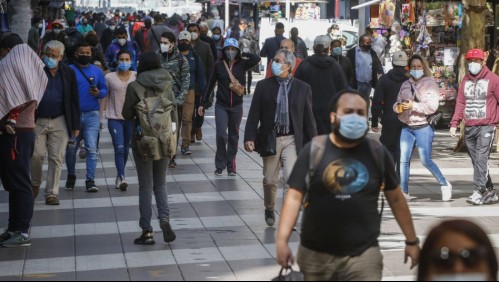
(477, 105)
(341, 223)
(152, 80)
(385, 96)
(229, 107)
(345, 63)
(122, 42)
(281, 105)
(121, 130)
(21, 89)
(418, 98)
(273, 44)
(57, 121)
(288, 45)
(301, 50)
(249, 44)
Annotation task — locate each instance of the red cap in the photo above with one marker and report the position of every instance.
(475, 54)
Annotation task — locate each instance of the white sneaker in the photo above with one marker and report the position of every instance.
(446, 192)
(407, 196)
(476, 198)
(121, 183)
(489, 197)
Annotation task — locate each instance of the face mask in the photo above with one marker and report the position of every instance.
(112, 27)
(40, 25)
(366, 47)
(460, 277)
(230, 54)
(417, 74)
(277, 69)
(56, 31)
(194, 36)
(165, 48)
(124, 66)
(50, 63)
(84, 60)
(474, 68)
(352, 127)
(183, 47)
(216, 37)
(337, 51)
(122, 42)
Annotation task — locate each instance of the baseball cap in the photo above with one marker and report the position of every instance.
(400, 59)
(475, 54)
(324, 40)
(184, 35)
(58, 22)
(231, 42)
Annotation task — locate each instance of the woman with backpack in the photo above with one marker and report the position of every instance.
(154, 141)
(229, 107)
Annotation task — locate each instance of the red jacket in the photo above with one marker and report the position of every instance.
(478, 100)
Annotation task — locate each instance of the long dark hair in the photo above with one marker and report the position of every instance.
(148, 61)
(464, 227)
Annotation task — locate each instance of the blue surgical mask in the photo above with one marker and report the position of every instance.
(277, 69)
(230, 54)
(353, 126)
(474, 68)
(337, 51)
(50, 63)
(417, 74)
(216, 37)
(124, 66)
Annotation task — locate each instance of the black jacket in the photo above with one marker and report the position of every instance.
(347, 67)
(326, 77)
(225, 97)
(386, 94)
(71, 98)
(264, 105)
(213, 45)
(377, 67)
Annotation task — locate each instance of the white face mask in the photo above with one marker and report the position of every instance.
(194, 36)
(460, 277)
(40, 25)
(165, 48)
(122, 42)
(474, 68)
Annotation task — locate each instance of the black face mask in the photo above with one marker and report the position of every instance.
(366, 47)
(183, 47)
(84, 60)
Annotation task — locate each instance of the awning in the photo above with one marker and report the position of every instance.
(370, 3)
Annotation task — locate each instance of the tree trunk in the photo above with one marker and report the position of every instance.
(20, 14)
(472, 36)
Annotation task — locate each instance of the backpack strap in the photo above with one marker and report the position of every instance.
(316, 152)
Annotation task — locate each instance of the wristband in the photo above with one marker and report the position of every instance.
(412, 243)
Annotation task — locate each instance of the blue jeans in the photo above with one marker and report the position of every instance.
(121, 133)
(365, 88)
(89, 130)
(423, 139)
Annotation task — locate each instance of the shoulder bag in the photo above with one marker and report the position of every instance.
(234, 85)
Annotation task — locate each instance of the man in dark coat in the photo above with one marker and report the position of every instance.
(286, 102)
(326, 77)
(273, 44)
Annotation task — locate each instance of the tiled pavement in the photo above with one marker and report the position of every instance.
(221, 233)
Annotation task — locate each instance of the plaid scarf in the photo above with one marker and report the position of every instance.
(282, 120)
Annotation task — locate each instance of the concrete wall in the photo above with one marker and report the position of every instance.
(20, 14)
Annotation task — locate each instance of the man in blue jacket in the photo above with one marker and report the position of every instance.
(92, 87)
(122, 43)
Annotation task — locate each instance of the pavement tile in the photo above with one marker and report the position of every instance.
(52, 247)
(98, 244)
(209, 271)
(156, 273)
(120, 274)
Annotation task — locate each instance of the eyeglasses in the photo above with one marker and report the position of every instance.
(446, 259)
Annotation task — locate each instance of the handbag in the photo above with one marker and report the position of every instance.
(265, 143)
(289, 276)
(432, 119)
(234, 85)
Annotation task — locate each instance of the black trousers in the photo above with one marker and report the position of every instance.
(15, 157)
(390, 137)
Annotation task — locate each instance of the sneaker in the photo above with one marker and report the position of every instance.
(70, 183)
(91, 188)
(173, 164)
(407, 196)
(36, 191)
(145, 239)
(199, 134)
(232, 173)
(168, 234)
(270, 217)
(193, 139)
(219, 172)
(83, 153)
(186, 151)
(446, 192)
(475, 198)
(52, 201)
(17, 240)
(121, 183)
(489, 197)
(5, 236)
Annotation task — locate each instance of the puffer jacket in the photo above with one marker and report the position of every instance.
(427, 102)
(179, 71)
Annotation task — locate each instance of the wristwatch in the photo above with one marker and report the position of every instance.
(412, 243)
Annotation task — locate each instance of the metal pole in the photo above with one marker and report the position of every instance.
(288, 10)
(227, 11)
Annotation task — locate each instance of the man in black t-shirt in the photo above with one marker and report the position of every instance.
(341, 223)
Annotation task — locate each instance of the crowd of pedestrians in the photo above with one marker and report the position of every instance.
(153, 78)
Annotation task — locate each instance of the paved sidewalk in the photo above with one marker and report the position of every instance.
(219, 221)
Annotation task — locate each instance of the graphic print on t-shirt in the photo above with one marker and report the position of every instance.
(345, 177)
(476, 99)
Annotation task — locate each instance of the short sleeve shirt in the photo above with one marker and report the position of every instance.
(342, 216)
